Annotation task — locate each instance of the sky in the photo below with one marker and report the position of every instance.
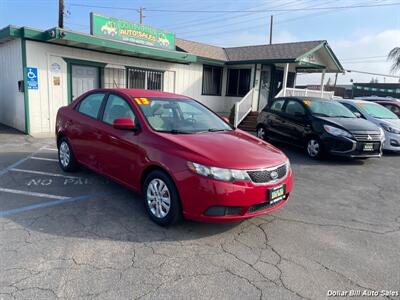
(360, 37)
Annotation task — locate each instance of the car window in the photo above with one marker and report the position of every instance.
(376, 110)
(117, 107)
(351, 108)
(294, 108)
(90, 106)
(277, 105)
(180, 116)
(395, 109)
(327, 108)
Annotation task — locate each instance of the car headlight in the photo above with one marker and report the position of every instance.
(218, 173)
(390, 129)
(337, 131)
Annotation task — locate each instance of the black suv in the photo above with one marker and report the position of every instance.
(321, 126)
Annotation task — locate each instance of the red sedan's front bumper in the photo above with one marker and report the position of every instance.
(242, 199)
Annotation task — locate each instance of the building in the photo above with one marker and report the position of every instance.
(41, 71)
(376, 89)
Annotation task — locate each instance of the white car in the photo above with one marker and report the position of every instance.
(381, 116)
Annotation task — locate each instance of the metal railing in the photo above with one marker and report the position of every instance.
(306, 93)
(243, 107)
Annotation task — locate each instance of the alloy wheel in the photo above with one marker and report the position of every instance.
(313, 148)
(158, 198)
(64, 154)
(261, 133)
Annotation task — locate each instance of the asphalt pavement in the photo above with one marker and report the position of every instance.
(81, 236)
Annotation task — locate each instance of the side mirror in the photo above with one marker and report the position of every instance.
(124, 124)
(357, 114)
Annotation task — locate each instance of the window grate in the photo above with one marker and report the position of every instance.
(145, 79)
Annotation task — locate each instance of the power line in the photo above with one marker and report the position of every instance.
(371, 73)
(238, 11)
(218, 18)
(235, 23)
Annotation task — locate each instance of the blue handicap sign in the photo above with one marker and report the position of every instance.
(32, 78)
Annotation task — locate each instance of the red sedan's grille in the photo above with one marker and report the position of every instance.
(265, 176)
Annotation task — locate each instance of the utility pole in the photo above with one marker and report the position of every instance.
(270, 29)
(61, 13)
(141, 14)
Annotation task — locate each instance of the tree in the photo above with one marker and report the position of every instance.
(394, 57)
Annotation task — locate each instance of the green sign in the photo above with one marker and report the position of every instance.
(125, 31)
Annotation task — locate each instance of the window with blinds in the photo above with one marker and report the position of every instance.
(212, 80)
(145, 79)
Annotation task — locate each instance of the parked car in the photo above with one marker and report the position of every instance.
(321, 126)
(377, 98)
(181, 156)
(393, 106)
(381, 116)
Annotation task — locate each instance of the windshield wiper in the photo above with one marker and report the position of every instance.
(176, 131)
(321, 114)
(216, 129)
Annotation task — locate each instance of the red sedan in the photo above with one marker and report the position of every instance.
(183, 158)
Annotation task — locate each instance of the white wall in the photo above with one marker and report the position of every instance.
(12, 109)
(178, 78)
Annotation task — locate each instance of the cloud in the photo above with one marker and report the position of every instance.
(353, 52)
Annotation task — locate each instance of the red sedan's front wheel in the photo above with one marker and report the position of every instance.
(161, 198)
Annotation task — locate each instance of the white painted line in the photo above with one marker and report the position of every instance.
(44, 158)
(44, 173)
(16, 164)
(50, 149)
(33, 194)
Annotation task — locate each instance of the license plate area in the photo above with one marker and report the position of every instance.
(368, 147)
(276, 194)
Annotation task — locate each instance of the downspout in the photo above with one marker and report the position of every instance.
(26, 94)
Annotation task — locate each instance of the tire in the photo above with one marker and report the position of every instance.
(161, 199)
(66, 157)
(262, 133)
(314, 148)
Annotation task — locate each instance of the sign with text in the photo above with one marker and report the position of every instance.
(126, 31)
(32, 80)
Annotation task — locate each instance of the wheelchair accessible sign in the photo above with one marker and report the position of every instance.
(32, 78)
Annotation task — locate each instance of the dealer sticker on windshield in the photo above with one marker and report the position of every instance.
(142, 101)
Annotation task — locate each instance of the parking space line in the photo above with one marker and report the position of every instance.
(14, 211)
(44, 158)
(44, 173)
(50, 149)
(42, 195)
(16, 164)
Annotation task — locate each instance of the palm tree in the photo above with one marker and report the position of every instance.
(394, 57)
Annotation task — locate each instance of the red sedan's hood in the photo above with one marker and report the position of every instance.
(229, 149)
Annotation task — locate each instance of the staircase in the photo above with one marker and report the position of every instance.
(250, 122)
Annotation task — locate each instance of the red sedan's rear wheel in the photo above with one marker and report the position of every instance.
(161, 199)
(66, 157)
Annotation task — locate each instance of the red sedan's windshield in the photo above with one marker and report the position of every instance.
(180, 116)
